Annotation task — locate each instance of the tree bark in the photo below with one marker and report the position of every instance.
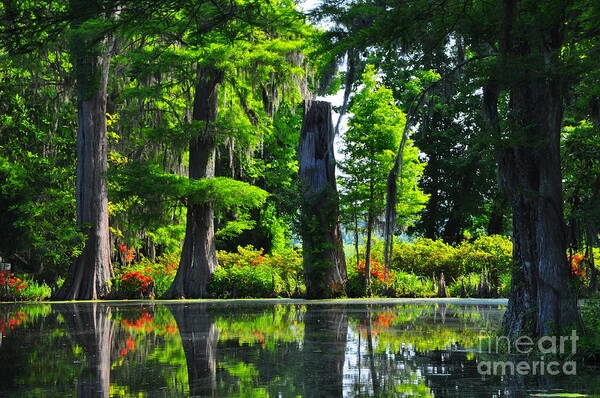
(198, 256)
(368, 253)
(322, 246)
(90, 273)
(542, 300)
(356, 240)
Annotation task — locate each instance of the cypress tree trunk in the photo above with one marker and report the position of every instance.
(92, 270)
(198, 256)
(368, 253)
(542, 300)
(356, 240)
(322, 247)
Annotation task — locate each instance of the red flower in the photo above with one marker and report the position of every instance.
(130, 344)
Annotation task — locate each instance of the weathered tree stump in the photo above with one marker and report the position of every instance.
(323, 255)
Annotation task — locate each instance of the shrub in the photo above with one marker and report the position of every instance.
(245, 273)
(425, 257)
(251, 273)
(381, 281)
(486, 254)
(145, 278)
(288, 264)
(242, 281)
(491, 255)
(391, 284)
(504, 284)
(162, 270)
(20, 288)
(137, 283)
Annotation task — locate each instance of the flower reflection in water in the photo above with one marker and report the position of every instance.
(239, 348)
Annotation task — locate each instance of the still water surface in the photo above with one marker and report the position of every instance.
(259, 349)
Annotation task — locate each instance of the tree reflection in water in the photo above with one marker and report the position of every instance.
(323, 353)
(90, 326)
(199, 337)
(249, 349)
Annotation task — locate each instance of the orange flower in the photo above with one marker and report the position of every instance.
(130, 344)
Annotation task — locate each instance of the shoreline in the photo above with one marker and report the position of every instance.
(366, 300)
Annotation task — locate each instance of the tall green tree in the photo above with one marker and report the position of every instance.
(91, 50)
(374, 133)
(526, 57)
(243, 53)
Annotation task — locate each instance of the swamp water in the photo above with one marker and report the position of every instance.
(265, 348)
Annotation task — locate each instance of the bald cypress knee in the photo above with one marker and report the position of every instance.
(198, 256)
(322, 246)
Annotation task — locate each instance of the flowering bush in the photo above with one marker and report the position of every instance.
(128, 254)
(146, 278)
(138, 282)
(250, 272)
(576, 262)
(392, 283)
(378, 273)
(13, 288)
(11, 283)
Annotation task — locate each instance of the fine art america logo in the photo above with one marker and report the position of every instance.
(552, 346)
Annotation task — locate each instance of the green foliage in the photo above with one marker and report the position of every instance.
(580, 151)
(392, 284)
(504, 285)
(369, 146)
(590, 342)
(169, 237)
(414, 264)
(22, 288)
(486, 254)
(250, 273)
(129, 279)
(148, 182)
(242, 282)
(37, 167)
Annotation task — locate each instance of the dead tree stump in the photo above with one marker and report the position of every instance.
(322, 246)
